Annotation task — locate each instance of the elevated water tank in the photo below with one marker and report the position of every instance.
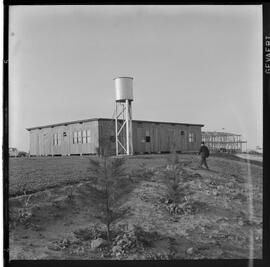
(123, 89)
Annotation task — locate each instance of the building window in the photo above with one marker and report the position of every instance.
(88, 136)
(147, 136)
(59, 139)
(79, 137)
(64, 134)
(55, 139)
(182, 132)
(75, 138)
(191, 137)
(84, 137)
(112, 138)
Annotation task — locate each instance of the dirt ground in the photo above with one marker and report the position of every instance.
(250, 157)
(221, 215)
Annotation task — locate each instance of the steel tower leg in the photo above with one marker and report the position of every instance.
(116, 130)
(125, 130)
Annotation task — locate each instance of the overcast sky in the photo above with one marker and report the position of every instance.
(193, 64)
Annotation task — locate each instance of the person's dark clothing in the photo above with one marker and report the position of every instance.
(204, 152)
(203, 162)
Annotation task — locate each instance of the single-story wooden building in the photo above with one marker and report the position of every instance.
(85, 137)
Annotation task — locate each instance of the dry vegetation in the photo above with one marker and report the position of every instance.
(166, 207)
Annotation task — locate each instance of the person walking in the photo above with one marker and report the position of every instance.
(204, 152)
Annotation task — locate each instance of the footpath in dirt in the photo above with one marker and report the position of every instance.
(219, 217)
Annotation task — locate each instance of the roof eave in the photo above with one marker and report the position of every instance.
(98, 119)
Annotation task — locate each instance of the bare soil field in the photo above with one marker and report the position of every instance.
(250, 157)
(54, 212)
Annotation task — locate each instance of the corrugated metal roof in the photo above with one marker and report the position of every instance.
(96, 119)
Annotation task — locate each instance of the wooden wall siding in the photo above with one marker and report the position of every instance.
(94, 137)
(107, 130)
(139, 142)
(198, 138)
(41, 140)
(162, 137)
(34, 142)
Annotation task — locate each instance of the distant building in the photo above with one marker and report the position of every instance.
(223, 142)
(259, 149)
(85, 137)
(13, 152)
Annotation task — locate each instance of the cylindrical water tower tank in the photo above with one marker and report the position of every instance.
(123, 89)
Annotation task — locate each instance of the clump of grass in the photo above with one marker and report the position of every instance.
(22, 215)
(90, 233)
(70, 189)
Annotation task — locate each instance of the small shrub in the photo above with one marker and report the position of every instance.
(172, 178)
(21, 215)
(70, 189)
(89, 233)
(146, 238)
(108, 176)
(132, 240)
(143, 171)
(22, 186)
